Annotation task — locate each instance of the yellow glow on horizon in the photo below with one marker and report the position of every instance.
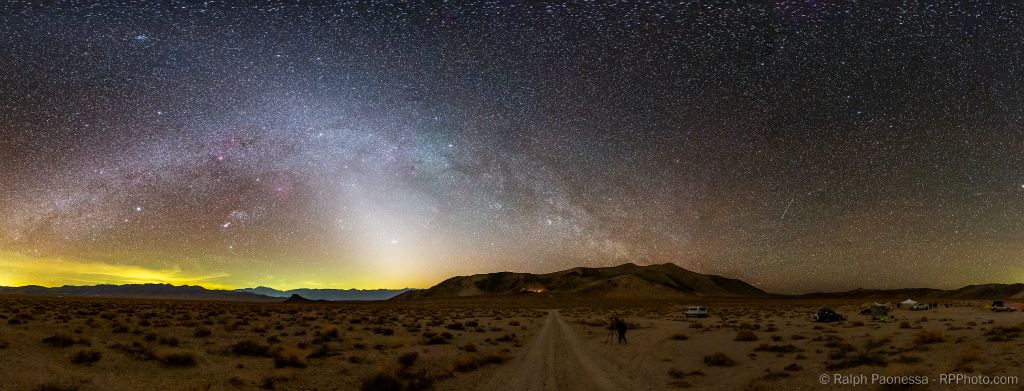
(17, 269)
(20, 270)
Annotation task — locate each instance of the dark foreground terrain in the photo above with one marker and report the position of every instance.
(518, 344)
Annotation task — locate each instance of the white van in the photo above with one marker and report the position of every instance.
(696, 311)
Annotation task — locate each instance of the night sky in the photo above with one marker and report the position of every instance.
(797, 146)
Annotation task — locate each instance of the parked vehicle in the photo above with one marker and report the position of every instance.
(695, 311)
(1000, 306)
(827, 315)
(919, 307)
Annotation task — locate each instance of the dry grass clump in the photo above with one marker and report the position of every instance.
(777, 348)
(86, 357)
(408, 359)
(202, 332)
(62, 341)
(472, 362)
(851, 359)
(54, 386)
(176, 358)
(719, 360)
(745, 335)
(290, 357)
(925, 337)
(381, 381)
(1003, 334)
(969, 356)
(249, 347)
(679, 337)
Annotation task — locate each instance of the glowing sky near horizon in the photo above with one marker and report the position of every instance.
(798, 147)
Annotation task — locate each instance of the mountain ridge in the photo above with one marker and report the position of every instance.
(628, 280)
(327, 294)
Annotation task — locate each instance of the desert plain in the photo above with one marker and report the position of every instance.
(50, 344)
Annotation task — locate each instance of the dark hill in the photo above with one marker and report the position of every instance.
(138, 291)
(327, 294)
(296, 299)
(970, 292)
(623, 281)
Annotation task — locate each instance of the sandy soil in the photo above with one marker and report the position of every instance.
(49, 344)
(556, 359)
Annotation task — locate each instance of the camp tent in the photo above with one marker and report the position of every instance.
(876, 311)
(909, 302)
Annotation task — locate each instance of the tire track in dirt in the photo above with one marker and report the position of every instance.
(556, 360)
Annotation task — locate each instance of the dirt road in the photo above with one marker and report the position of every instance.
(557, 360)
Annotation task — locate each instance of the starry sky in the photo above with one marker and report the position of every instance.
(799, 146)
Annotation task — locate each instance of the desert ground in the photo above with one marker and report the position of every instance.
(118, 344)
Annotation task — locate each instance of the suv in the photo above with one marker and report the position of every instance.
(694, 311)
(999, 306)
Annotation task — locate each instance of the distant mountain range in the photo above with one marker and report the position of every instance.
(138, 291)
(629, 281)
(977, 292)
(328, 294)
(189, 292)
(665, 281)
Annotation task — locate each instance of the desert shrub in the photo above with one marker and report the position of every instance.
(904, 325)
(290, 357)
(330, 332)
(754, 385)
(63, 341)
(1003, 334)
(793, 367)
(928, 337)
(170, 341)
(176, 358)
(469, 362)
(907, 359)
(250, 348)
(776, 348)
(469, 348)
(56, 387)
(680, 337)
(381, 382)
(719, 360)
(136, 350)
(86, 357)
(407, 359)
(842, 361)
(678, 374)
(455, 326)
(435, 340)
(202, 332)
(745, 335)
